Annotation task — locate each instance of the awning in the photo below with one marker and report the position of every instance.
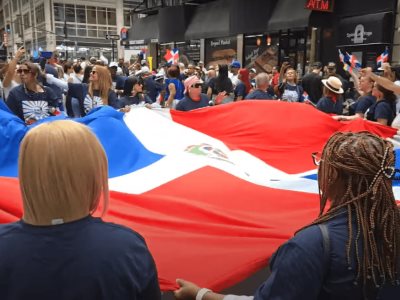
(289, 14)
(209, 21)
(172, 23)
(144, 30)
(365, 30)
(250, 16)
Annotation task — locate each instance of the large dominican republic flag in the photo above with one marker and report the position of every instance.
(214, 191)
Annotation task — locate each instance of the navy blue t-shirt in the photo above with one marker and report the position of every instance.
(86, 259)
(240, 90)
(119, 81)
(30, 106)
(187, 103)
(152, 87)
(299, 267)
(260, 95)
(133, 100)
(382, 109)
(327, 105)
(364, 102)
(86, 102)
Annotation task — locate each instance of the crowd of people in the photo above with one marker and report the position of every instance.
(350, 251)
(76, 87)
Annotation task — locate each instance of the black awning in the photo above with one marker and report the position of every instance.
(209, 21)
(250, 16)
(289, 14)
(144, 30)
(172, 24)
(365, 30)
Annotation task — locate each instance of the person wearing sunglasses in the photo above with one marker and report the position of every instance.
(31, 101)
(351, 251)
(193, 98)
(133, 93)
(97, 93)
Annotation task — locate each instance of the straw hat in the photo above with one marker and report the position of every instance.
(334, 84)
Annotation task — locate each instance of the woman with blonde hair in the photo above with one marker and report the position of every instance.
(351, 250)
(97, 93)
(289, 89)
(58, 250)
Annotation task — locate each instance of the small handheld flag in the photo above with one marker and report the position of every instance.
(384, 57)
(172, 56)
(350, 62)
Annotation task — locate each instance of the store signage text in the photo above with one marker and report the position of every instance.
(217, 43)
(320, 5)
(252, 55)
(359, 35)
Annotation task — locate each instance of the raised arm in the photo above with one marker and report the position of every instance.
(12, 66)
(386, 83)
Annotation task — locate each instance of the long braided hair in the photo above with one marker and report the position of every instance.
(355, 174)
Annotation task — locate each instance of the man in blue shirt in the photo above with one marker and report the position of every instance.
(261, 91)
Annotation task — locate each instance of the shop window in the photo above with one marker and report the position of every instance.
(27, 22)
(59, 29)
(70, 13)
(92, 31)
(81, 30)
(7, 11)
(102, 32)
(71, 30)
(91, 15)
(127, 18)
(80, 14)
(101, 16)
(111, 16)
(39, 12)
(17, 25)
(112, 30)
(59, 12)
(15, 6)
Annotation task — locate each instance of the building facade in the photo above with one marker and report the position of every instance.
(73, 27)
(263, 33)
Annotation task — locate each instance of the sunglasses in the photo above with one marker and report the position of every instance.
(316, 157)
(25, 71)
(196, 85)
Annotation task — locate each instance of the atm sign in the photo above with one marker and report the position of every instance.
(320, 5)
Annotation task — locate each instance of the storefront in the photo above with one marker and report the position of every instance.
(366, 36)
(261, 52)
(291, 33)
(220, 50)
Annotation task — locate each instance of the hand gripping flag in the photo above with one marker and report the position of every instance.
(384, 57)
(213, 187)
(172, 56)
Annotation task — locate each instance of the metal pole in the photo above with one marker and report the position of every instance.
(22, 27)
(112, 47)
(66, 37)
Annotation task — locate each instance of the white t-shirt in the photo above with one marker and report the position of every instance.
(234, 79)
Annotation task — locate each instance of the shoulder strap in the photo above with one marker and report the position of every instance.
(326, 242)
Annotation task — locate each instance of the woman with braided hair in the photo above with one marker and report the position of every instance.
(352, 250)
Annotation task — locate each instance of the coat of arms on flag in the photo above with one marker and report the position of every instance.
(172, 56)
